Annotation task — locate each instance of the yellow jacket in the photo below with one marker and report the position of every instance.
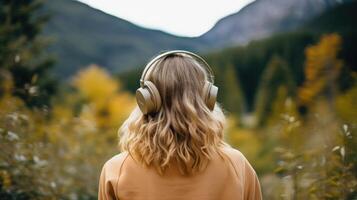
(124, 179)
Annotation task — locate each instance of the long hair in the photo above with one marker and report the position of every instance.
(184, 132)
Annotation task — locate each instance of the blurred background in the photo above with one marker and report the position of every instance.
(286, 70)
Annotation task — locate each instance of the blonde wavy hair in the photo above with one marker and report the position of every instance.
(184, 132)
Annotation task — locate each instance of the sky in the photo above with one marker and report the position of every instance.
(184, 17)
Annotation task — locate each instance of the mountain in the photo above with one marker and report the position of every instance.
(262, 18)
(340, 19)
(249, 61)
(83, 35)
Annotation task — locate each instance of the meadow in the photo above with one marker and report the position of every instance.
(290, 102)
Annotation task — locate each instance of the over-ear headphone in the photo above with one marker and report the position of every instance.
(148, 96)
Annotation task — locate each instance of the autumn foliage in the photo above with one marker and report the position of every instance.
(299, 133)
(58, 152)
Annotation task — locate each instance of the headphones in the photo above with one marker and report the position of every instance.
(148, 97)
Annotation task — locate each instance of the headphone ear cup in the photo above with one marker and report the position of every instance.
(143, 99)
(148, 98)
(156, 98)
(210, 92)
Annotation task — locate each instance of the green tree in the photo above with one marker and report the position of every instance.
(275, 75)
(22, 50)
(233, 98)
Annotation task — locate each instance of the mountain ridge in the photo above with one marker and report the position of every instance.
(269, 16)
(85, 35)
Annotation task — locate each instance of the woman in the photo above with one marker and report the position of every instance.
(172, 143)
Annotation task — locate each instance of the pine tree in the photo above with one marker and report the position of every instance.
(233, 98)
(275, 75)
(22, 50)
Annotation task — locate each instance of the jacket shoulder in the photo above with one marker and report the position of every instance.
(117, 159)
(239, 162)
(234, 154)
(115, 163)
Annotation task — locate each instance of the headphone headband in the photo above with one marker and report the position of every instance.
(150, 64)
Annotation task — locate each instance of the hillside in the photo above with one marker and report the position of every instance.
(248, 62)
(340, 19)
(83, 35)
(262, 18)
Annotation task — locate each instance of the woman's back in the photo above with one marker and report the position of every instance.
(172, 142)
(122, 178)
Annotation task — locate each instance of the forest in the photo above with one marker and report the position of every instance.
(290, 100)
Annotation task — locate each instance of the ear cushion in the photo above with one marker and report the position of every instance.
(206, 88)
(211, 101)
(144, 100)
(210, 92)
(156, 98)
(148, 98)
